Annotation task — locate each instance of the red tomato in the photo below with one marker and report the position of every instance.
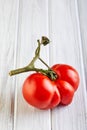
(67, 81)
(66, 92)
(39, 91)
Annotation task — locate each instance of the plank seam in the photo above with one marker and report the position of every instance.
(49, 33)
(15, 64)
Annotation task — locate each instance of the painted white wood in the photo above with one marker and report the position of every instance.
(66, 48)
(33, 23)
(82, 9)
(8, 22)
(21, 24)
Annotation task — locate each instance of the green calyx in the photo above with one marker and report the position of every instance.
(31, 67)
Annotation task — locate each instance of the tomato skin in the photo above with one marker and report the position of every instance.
(67, 82)
(55, 100)
(67, 73)
(38, 90)
(66, 92)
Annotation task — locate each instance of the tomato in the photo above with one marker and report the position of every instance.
(39, 91)
(67, 73)
(44, 93)
(47, 88)
(67, 82)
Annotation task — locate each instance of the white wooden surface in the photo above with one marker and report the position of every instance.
(22, 22)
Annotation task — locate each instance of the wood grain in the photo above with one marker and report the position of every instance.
(8, 28)
(21, 24)
(66, 48)
(82, 7)
(33, 22)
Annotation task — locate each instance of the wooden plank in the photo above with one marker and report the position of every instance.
(8, 24)
(82, 9)
(66, 48)
(33, 23)
(18, 34)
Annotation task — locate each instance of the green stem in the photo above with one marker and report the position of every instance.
(18, 71)
(37, 53)
(50, 73)
(25, 69)
(44, 63)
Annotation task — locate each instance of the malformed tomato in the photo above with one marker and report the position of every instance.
(39, 91)
(67, 82)
(48, 88)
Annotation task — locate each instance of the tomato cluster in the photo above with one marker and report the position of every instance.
(43, 93)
